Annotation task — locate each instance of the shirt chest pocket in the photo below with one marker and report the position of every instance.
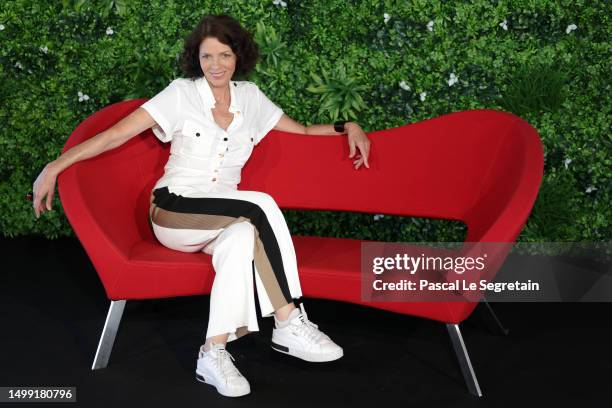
(198, 141)
(242, 144)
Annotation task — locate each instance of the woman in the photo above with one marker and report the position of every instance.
(213, 124)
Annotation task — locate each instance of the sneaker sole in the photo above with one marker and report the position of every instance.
(313, 358)
(202, 379)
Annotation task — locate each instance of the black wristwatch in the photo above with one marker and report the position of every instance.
(339, 126)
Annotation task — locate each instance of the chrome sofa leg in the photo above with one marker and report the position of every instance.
(105, 346)
(464, 359)
(494, 322)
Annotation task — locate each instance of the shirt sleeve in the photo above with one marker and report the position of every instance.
(165, 108)
(269, 115)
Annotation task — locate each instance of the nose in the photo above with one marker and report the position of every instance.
(216, 62)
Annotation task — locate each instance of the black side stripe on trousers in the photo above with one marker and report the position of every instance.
(233, 208)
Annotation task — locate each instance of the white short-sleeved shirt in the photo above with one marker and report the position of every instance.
(203, 156)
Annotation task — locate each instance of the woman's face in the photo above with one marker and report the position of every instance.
(218, 61)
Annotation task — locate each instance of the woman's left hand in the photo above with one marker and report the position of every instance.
(358, 139)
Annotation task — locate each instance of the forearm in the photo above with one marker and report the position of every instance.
(85, 150)
(328, 130)
(115, 136)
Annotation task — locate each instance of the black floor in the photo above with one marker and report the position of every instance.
(53, 308)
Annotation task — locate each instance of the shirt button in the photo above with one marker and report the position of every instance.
(216, 171)
(225, 139)
(214, 179)
(198, 134)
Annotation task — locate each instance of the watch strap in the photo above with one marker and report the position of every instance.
(339, 126)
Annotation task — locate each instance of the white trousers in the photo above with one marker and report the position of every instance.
(246, 233)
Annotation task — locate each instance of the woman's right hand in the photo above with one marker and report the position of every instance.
(126, 128)
(44, 189)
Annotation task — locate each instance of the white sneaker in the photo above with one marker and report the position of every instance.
(301, 338)
(215, 367)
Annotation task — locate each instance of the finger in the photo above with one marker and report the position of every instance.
(38, 202)
(35, 201)
(360, 155)
(351, 148)
(366, 155)
(50, 197)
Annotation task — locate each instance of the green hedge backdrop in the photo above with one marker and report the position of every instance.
(380, 63)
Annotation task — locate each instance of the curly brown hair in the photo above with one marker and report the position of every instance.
(226, 30)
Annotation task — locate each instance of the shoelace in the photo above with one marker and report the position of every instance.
(224, 362)
(308, 329)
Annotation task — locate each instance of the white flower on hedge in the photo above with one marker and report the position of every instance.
(386, 17)
(280, 2)
(422, 95)
(83, 97)
(504, 25)
(453, 79)
(404, 86)
(1, 27)
(430, 25)
(109, 31)
(18, 65)
(570, 28)
(44, 49)
(378, 217)
(590, 188)
(566, 162)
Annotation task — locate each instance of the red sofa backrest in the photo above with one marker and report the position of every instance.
(433, 168)
(464, 166)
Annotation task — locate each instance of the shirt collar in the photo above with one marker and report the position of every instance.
(209, 99)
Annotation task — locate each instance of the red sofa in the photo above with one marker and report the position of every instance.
(481, 167)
